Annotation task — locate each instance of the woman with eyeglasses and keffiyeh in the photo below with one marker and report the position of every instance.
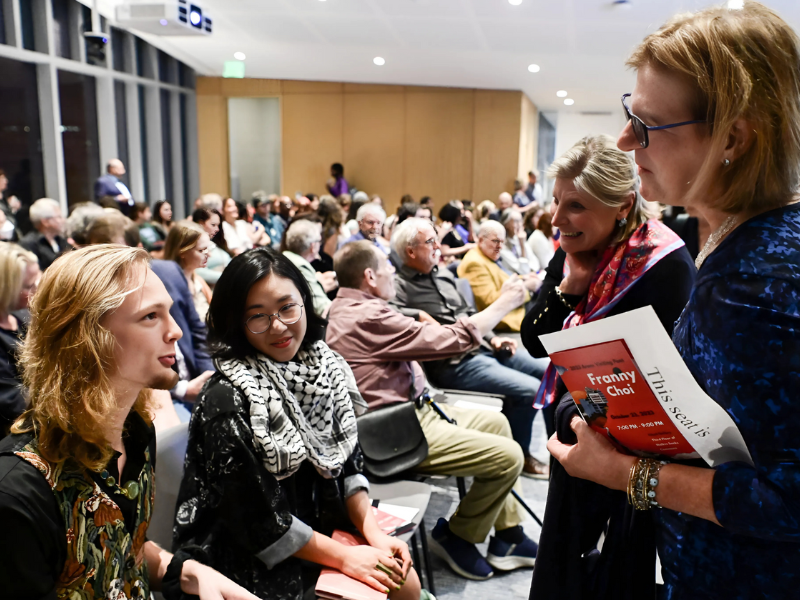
(273, 464)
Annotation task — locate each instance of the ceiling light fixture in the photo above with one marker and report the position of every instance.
(533, 68)
(515, 2)
(239, 55)
(379, 60)
(569, 101)
(561, 93)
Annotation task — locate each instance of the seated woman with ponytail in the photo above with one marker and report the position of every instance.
(614, 257)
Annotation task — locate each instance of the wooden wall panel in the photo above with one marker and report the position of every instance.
(374, 128)
(212, 143)
(496, 143)
(443, 142)
(311, 140)
(438, 144)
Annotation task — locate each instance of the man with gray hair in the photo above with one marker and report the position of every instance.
(47, 242)
(370, 218)
(303, 241)
(498, 366)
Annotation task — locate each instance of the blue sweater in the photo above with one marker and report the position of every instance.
(740, 337)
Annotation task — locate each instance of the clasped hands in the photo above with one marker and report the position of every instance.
(383, 565)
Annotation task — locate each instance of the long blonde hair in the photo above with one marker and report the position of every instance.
(606, 173)
(743, 63)
(14, 260)
(67, 356)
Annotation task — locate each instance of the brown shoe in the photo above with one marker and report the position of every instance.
(535, 469)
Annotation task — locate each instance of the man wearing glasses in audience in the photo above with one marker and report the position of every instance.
(429, 294)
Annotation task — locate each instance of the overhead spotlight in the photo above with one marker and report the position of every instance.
(561, 93)
(735, 4)
(533, 68)
(164, 22)
(239, 55)
(515, 2)
(569, 101)
(378, 60)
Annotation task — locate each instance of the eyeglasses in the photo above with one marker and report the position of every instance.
(288, 315)
(496, 242)
(640, 130)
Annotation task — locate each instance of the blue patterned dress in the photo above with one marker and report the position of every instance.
(740, 337)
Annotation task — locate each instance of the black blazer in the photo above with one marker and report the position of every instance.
(38, 244)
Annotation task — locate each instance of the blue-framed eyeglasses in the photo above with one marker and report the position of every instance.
(640, 130)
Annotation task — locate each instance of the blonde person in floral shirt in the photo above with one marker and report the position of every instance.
(77, 473)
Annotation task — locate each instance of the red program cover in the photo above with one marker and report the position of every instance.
(616, 400)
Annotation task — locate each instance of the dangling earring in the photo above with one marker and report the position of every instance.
(726, 162)
(622, 222)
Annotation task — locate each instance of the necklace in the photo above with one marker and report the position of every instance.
(130, 490)
(714, 239)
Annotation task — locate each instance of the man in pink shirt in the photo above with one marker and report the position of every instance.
(382, 346)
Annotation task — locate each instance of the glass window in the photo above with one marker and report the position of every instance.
(78, 102)
(20, 135)
(61, 31)
(143, 134)
(26, 17)
(166, 144)
(2, 24)
(121, 106)
(118, 49)
(163, 67)
(184, 153)
(142, 55)
(185, 76)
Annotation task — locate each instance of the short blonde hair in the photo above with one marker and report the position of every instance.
(744, 64)
(67, 356)
(14, 260)
(596, 166)
(181, 238)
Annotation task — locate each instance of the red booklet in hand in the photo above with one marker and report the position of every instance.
(336, 585)
(614, 397)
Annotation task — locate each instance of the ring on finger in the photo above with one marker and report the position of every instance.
(383, 568)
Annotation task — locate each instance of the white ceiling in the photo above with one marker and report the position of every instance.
(580, 45)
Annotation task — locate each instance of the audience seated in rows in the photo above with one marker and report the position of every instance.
(272, 224)
(456, 231)
(303, 241)
(427, 292)
(162, 218)
(150, 236)
(382, 347)
(47, 242)
(540, 241)
(19, 277)
(486, 273)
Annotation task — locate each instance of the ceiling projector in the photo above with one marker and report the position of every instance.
(164, 17)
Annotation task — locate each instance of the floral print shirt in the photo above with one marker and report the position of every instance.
(740, 337)
(67, 534)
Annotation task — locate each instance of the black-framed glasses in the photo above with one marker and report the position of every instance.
(640, 130)
(288, 315)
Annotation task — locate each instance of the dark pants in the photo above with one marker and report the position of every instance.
(517, 378)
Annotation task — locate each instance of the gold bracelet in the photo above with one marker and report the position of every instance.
(560, 295)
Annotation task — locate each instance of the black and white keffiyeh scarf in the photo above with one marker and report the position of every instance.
(298, 410)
